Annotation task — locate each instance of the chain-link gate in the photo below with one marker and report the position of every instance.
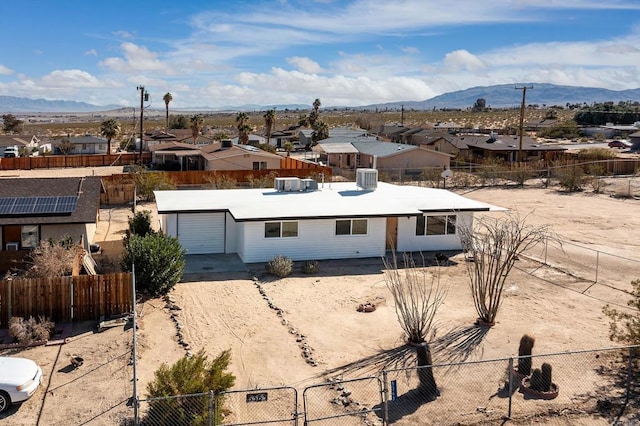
(344, 402)
(278, 405)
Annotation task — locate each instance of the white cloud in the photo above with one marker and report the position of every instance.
(462, 59)
(410, 50)
(305, 65)
(136, 58)
(5, 70)
(91, 52)
(124, 34)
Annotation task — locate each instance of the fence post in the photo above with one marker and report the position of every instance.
(629, 374)
(385, 397)
(510, 387)
(210, 423)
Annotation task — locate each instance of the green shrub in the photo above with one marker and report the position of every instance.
(139, 224)
(280, 266)
(571, 178)
(310, 266)
(189, 375)
(159, 262)
(147, 182)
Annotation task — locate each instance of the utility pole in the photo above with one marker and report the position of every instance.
(402, 115)
(144, 96)
(524, 95)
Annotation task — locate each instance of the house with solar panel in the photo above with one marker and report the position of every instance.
(304, 219)
(34, 210)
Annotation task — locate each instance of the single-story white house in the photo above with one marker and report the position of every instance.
(307, 220)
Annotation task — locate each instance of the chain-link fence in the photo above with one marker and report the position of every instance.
(553, 389)
(489, 392)
(344, 402)
(586, 265)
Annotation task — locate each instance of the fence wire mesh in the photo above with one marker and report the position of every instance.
(348, 402)
(586, 387)
(194, 409)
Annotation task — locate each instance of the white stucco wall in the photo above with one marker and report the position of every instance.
(57, 232)
(231, 235)
(409, 241)
(316, 240)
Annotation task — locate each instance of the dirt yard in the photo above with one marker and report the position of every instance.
(563, 312)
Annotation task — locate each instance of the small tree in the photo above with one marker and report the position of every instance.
(417, 299)
(494, 245)
(178, 122)
(189, 375)
(139, 224)
(159, 262)
(147, 182)
(11, 123)
(65, 146)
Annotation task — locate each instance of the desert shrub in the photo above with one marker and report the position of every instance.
(147, 182)
(491, 171)
(521, 172)
(190, 375)
(280, 266)
(571, 178)
(432, 175)
(51, 259)
(266, 181)
(222, 181)
(597, 154)
(310, 266)
(31, 330)
(159, 262)
(624, 326)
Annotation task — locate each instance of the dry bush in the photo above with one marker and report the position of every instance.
(280, 266)
(222, 181)
(31, 330)
(50, 260)
(310, 266)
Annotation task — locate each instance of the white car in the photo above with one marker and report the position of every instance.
(19, 379)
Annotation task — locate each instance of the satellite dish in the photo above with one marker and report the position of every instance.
(447, 173)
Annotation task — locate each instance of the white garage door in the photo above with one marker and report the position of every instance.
(201, 233)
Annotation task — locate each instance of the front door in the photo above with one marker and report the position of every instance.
(392, 233)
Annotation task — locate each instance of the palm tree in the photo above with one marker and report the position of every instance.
(167, 98)
(313, 117)
(196, 125)
(110, 129)
(316, 106)
(243, 127)
(320, 131)
(269, 121)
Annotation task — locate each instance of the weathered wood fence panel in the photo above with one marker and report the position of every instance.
(80, 160)
(66, 299)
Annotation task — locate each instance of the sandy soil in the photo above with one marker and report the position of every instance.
(563, 312)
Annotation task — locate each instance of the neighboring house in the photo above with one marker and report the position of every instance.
(14, 140)
(332, 221)
(280, 138)
(473, 147)
(253, 140)
(384, 156)
(177, 156)
(229, 156)
(337, 134)
(34, 210)
(87, 144)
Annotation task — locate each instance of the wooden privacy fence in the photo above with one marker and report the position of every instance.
(66, 299)
(81, 160)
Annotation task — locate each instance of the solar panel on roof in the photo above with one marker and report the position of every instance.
(38, 205)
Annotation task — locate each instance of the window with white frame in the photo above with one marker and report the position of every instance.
(280, 229)
(436, 225)
(351, 226)
(259, 165)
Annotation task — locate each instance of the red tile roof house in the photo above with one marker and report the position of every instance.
(34, 210)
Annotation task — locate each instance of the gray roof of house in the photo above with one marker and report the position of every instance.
(500, 143)
(382, 149)
(86, 188)
(87, 139)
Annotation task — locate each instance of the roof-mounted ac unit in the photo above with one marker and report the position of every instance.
(288, 184)
(367, 179)
(309, 185)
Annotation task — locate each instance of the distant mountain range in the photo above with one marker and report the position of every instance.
(498, 96)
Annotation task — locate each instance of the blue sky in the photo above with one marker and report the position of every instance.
(345, 52)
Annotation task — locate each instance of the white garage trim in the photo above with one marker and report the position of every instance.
(201, 233)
